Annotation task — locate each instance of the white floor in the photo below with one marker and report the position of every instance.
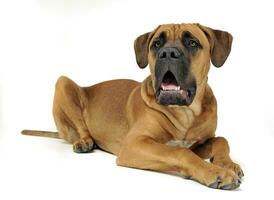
(41, 168)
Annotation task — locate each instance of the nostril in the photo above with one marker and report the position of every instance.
(163, 54)
(173, 55)
(169, 53)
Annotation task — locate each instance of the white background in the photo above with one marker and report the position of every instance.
(92, 41)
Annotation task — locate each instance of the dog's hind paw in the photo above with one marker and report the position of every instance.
(83, 145)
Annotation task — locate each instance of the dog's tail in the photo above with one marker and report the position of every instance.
(41, 133)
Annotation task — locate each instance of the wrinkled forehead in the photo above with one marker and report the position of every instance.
(176, 31)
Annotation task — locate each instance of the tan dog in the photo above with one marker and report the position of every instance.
(166, 123)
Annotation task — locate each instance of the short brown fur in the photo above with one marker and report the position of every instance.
(122, 116)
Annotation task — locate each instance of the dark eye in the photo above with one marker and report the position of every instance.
(157, 44)
(193, 43)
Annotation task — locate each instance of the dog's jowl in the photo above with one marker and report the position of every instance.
(166, 123)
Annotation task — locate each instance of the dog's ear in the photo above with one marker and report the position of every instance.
(141, 44)
(220, 44)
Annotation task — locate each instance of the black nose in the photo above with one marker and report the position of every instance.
(169, 53)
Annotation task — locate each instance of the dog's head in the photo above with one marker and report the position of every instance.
(179, 58)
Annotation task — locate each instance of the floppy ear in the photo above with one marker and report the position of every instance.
(141, 49)
(220, 44)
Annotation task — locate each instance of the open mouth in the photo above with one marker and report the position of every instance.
(172, 93)
(169, 82)
(170, 85)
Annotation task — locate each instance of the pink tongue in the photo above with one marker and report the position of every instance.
(168, 86)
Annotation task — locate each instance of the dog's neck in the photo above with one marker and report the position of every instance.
(182, 117)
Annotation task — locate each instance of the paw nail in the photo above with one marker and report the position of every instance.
(214, 185)
(226, 187)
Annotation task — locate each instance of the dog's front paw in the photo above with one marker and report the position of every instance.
(83, 145)
(228, 164)
(218, 178)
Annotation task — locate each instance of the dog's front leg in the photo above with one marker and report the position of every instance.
(144, 152)
(217, 150)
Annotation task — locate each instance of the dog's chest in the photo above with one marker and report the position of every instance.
(181, 143)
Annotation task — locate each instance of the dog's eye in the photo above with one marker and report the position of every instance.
(193, 43)
(157, 44)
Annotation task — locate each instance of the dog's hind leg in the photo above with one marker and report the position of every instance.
(69, 108)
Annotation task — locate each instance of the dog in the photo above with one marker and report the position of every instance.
(166, 123)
